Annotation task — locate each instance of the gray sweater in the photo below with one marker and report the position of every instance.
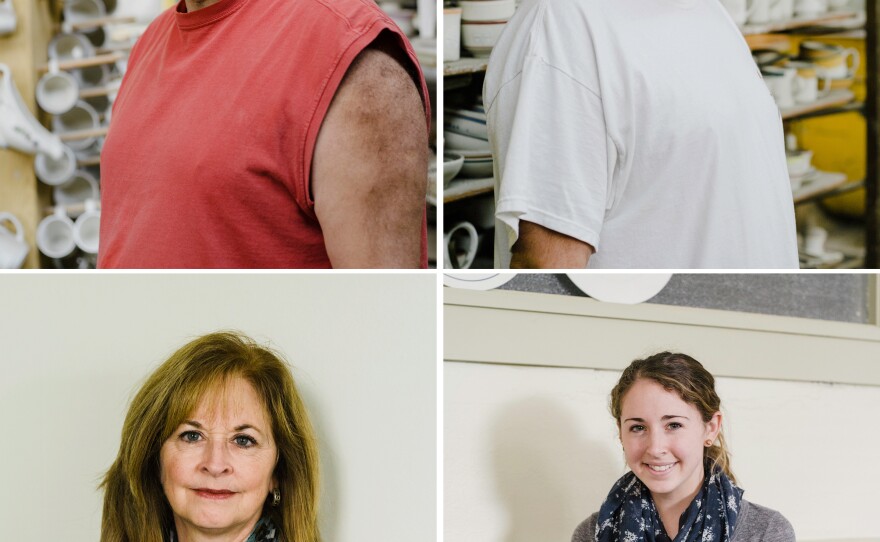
(754, 524)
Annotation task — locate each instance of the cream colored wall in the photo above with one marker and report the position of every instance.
(75, 348)
(530, 450)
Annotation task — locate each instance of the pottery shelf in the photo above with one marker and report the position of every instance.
(836, 19)
(92, 23)
(83, 134)
(88, 162)
(835, 99)
(462, 188)
(98, 60)
(822, 183)
(72, 209)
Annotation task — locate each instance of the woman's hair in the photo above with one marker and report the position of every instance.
(685, 376)
(135, 506)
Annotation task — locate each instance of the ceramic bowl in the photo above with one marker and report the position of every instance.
(480, 38)
(477, 164)
(798, 162)
(466, 123)
(487, 10)
(452, 163)
(459, 142)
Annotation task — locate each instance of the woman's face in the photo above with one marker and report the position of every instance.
(663, 440)
(217, 466)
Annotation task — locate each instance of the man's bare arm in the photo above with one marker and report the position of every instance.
(538, 247)
(369, 171)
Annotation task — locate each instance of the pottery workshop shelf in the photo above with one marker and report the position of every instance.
(842, 18)
(465, 66)
(835, 99)
(821, 183)
(460, 189)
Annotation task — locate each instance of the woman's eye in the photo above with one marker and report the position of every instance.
(245, 441)
(675, 425)
(190, 436)
(636, 428)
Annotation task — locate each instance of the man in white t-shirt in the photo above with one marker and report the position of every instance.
(635, 134)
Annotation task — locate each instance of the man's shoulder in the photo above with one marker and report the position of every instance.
(763, 523)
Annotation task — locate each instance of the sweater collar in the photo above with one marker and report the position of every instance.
(207, 15)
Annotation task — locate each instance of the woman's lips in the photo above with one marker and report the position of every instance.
(214, 494)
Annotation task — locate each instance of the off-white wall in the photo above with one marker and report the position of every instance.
(74, 349)
(530, 449)
(529, 452)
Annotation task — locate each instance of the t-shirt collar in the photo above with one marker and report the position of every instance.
(206, 15)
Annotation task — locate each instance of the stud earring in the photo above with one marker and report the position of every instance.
(708, 443)
(276, 497)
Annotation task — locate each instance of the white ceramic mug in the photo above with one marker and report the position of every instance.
(8, 20)
(70, 46)
(780, 81)
(452, 34)
(81, 11)
(760, 11)
(81, 187)
(814, 241)
(81, 117)
(87, 227)
(808, 86)
(57, 91)
(783, 10)
(810, 8)
(13, 248)
(55, 235)
(460, 246)
(839, 67)
(55, 172)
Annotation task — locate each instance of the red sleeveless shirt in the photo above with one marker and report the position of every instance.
(206, 164)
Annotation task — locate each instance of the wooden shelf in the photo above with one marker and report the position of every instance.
(834, 99)
(822, 183)
(465, 66)
(462, 188)
(68, 65)
(83, 134)
(803, 22)
(92, 23)
(94, 92)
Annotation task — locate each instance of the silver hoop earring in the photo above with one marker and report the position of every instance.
(276, 497)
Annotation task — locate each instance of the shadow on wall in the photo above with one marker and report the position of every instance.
(545, 474)
(329, 510)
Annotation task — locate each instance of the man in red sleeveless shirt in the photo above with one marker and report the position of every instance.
(271, 134)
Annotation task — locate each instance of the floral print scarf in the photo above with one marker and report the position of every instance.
(629, 515)
(264, 531)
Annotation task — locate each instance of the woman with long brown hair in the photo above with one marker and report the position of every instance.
(680, 486)
(217, 444)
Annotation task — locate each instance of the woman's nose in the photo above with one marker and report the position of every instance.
(215, 460)
(657, 443)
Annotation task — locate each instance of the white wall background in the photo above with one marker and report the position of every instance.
(74, 349)
(529, 452)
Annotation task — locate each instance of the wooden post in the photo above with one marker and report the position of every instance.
(23, 51)
(872, 118)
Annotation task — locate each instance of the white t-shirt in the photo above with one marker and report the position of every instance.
(643, 128)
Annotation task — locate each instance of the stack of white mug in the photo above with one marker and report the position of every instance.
(819, 68)
(76, 190)
(771, 11)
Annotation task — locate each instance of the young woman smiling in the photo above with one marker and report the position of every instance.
(680, 486)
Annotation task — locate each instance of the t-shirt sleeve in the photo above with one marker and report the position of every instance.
(548, 136)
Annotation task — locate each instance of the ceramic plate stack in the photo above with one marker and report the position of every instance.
(464, 132)
(482, 22)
